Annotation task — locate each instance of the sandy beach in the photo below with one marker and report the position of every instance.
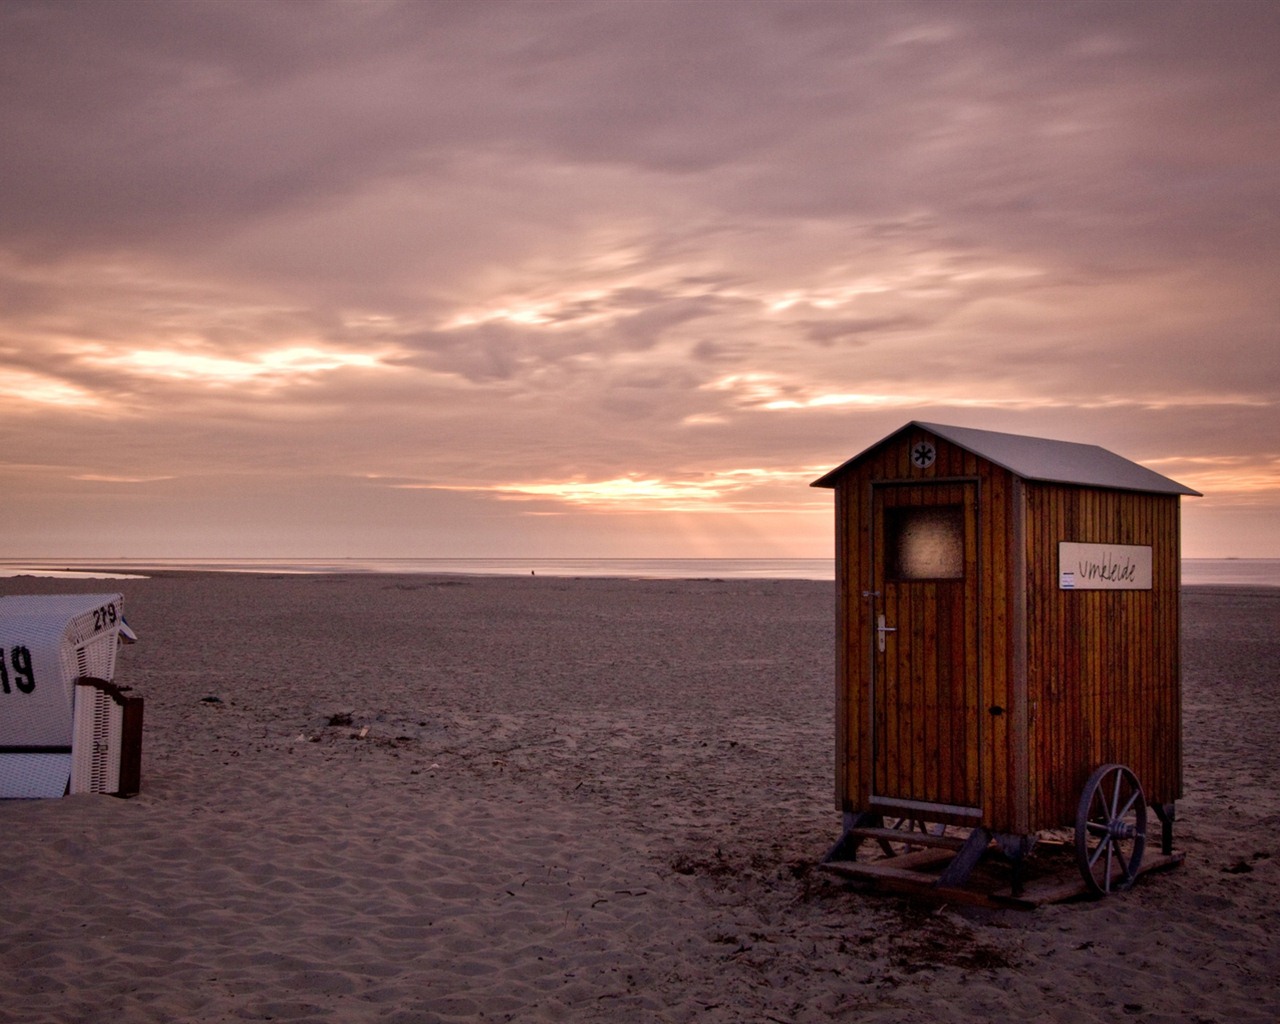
(418, 799)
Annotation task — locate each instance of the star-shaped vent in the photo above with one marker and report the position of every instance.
(923, 454)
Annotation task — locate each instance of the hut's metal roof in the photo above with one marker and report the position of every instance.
(1038, 458)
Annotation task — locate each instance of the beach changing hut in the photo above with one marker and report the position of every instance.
(1007, 654)
(65, 726)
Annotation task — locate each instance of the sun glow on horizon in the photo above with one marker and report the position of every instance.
(1224, 478)
(724, 491)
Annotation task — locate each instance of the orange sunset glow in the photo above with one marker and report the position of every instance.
(617, 279)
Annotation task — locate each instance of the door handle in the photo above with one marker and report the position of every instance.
(881, 630)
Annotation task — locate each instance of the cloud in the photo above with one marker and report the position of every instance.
(578, 244)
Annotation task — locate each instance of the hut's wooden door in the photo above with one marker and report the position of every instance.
(924, 642)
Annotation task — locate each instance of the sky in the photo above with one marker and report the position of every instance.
(556, 279)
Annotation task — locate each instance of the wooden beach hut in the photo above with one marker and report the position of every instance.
(1007, 650)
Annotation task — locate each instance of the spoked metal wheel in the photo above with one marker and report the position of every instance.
(1111, 829)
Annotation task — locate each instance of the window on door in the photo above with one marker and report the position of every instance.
(924, 542)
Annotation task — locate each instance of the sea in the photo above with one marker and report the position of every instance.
(1264, 572)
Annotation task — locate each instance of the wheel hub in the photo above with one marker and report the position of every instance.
(1120, 829)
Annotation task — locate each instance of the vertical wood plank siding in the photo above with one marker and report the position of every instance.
(846, 752)
(1055, 683)
(1103, 675)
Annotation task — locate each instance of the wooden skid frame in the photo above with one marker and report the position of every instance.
(919, 874)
